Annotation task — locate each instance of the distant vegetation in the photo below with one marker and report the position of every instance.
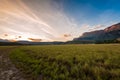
(9, 43)
(107, 41)
(69, 62)
(61, 43)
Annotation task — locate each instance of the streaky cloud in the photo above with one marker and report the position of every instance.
(20, 18)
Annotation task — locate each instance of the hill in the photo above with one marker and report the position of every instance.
(110, 33)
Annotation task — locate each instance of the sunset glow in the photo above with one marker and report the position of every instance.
(44, 20)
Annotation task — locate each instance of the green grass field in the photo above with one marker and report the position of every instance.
(68, 62)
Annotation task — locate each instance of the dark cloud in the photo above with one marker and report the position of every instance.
(67, 35)
(19, 36)
(5, 34)
(35, 40)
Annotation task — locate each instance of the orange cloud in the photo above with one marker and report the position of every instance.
(67, 35)
(5, 34)
(19, 36)
(35, 40)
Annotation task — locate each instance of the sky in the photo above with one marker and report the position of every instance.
(55, 20)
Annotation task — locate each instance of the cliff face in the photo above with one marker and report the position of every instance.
(110, 33)
(113, 28)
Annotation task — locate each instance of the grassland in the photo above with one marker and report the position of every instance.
(68, 62)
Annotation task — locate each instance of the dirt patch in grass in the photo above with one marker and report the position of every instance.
(8, 71)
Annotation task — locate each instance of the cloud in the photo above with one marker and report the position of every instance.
(19, 36)
(5, 34)
(35, 40)
(41, 18)
(67, 35)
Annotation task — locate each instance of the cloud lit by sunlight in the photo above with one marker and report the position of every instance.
(37, 20)
(19, 18)
(35, 40)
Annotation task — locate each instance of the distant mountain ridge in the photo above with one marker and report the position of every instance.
(2, 40)
(6, 42)
(110, 33)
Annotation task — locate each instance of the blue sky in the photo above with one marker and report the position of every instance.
(92, 12)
